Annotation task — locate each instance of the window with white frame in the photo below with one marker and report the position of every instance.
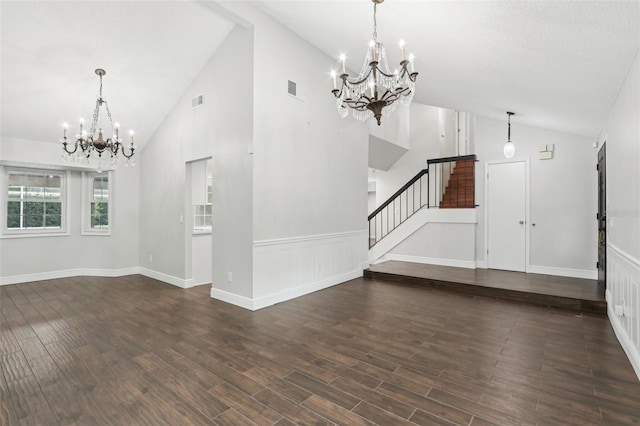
(97, 203)
(35, 201)
(202, 195)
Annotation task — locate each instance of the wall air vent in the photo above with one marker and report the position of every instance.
(197, 102)
(291, 88)
(295, 90)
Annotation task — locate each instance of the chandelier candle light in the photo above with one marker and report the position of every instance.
(376, 87)
(92, 146)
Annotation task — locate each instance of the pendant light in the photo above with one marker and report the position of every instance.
(509, 148)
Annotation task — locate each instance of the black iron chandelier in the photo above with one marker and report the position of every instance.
(93, 145)
(376, 89)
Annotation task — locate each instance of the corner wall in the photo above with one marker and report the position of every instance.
(27, 259)
(622, 137)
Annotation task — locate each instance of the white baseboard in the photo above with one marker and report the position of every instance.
(234, 299)
(468, 264)
(563, 272)
(67, 273)
(160, 276)
(266, 301)
(481, 264)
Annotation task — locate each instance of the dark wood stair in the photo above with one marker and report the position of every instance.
(546, 290)
(460, 190)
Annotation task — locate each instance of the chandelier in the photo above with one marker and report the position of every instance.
(92, 144)
(376, 89)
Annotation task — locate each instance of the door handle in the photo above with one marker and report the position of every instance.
(521, 222)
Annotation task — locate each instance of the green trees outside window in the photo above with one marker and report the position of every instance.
(34, 201)
(100, 202)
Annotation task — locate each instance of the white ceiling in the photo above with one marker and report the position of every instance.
(556, 64)
(151, 52)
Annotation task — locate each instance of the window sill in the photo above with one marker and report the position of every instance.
(201, 233)
(96, 233)
(35, 235)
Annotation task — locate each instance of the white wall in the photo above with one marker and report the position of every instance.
(425, 143)
(221, 129)
(622, 136)
(201, 270)
(371, 201)
(310, 175)
(449, 244)
(34, 258)
(563, 195)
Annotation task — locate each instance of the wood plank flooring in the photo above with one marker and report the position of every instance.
(134, 351)
(546, 290)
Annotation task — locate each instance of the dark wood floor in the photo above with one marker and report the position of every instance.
(547, 290)
(131, 350)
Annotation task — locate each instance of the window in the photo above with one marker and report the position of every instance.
(96, 203)
(202, 195)
(35, 201)
(202, 218)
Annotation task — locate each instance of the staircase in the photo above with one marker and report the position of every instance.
(460, 190)
(445, 183)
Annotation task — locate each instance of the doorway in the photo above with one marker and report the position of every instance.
(198, 222)
(506, 215)
(602, 218)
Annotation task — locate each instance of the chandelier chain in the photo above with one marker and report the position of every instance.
(109, 115)
(96, 114)
(375, 23)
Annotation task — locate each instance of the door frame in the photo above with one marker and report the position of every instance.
(527, 220)
(602, 215)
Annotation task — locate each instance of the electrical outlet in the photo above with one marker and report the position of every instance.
(229, 276)
(151, 258)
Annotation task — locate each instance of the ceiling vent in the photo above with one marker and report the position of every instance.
(197, 102)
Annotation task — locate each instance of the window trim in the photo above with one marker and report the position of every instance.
(87, 181)
(65, 196)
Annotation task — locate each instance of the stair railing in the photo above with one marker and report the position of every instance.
(425, 189)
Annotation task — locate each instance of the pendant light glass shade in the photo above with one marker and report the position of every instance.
(509, 149)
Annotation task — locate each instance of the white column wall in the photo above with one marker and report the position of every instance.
(309, 175)
(221, 129)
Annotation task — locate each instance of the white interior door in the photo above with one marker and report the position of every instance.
(506, 216)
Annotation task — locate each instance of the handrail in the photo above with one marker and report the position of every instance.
(450, 159)
(398, 192)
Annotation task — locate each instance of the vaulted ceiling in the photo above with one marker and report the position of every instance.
(557, 64)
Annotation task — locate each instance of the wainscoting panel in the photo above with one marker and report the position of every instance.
(288, 268)
(623, 301)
